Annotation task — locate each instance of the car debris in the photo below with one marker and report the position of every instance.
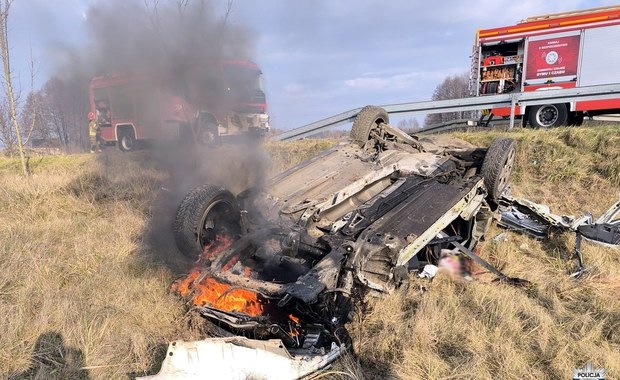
(239, 358)
(429, 271)
(538, 221)
(287, 262)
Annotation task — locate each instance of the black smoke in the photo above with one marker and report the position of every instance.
(160, 37)
(180, 43)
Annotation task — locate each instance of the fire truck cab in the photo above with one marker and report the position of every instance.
(205, 109)
(563, 50)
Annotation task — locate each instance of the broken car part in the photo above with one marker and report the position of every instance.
(239, 358)
(534, 219)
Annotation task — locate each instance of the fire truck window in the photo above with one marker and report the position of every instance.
(243, 81)
(122, 104)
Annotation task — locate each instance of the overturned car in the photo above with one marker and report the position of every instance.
(284, 263)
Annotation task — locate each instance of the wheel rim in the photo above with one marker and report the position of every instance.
(506, 171)
(376, 127)
(127, 142)
(206, 136)
(547, 115)
(217, 219)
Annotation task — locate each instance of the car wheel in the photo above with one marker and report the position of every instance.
(127, 141)
(368, 119)
(548, 115)
(205, 213)
(498, 164)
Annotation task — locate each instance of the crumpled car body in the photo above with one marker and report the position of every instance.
(354, 219)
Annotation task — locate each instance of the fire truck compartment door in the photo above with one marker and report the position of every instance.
(600, 57)
(552, 57)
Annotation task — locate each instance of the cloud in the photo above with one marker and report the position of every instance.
(294, 89)
(394, 82)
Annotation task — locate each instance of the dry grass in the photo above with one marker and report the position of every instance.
(79, 286)
(287, 155)
(75, 290)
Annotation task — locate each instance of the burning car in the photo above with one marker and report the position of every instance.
(282, 265)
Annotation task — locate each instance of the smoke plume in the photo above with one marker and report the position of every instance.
(137, 36)
(180, 43)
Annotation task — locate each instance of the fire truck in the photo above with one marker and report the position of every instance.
(562, 50)
(203, 106)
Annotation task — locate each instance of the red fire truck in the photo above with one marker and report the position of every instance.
(562, 50)
(223, 102)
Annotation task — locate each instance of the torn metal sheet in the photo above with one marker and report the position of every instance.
(239, 358)
(605, 229)
(537, 220)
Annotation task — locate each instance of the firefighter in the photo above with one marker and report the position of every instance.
(93, 133)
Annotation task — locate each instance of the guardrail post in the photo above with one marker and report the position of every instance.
(513, 106)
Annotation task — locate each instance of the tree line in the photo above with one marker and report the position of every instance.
(54, 114)
(452, 87)
(53, 117)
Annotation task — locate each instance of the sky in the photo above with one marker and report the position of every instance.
(319, 57)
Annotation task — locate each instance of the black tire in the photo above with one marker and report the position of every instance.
(369, 118)
(548, 115)
(498, 164)
(126, 141)
(491, 88)
(206, 211)
(575, 119)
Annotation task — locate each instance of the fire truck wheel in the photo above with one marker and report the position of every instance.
(368, 119)
(575, 119)
(206, 212)
(208, 135)
(127, 141)
(548, 116)
(498, 164)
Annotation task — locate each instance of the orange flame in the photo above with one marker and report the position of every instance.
(208, 291)
(212, 293)
(293, 318)
(217, 246)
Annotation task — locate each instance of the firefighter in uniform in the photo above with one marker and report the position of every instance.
(93, 133)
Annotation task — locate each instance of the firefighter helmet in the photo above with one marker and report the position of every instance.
(91, 116)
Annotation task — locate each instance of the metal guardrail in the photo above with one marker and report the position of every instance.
(512, 100)
(447, 126)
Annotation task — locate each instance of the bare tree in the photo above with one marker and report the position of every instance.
(5, 6)
(64, 104)
(453, 87)
(7, 133)
(30, 116)
(409, 125)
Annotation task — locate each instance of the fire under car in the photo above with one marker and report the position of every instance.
(278, 268)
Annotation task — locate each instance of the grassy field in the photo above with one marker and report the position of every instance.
(86, 262)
